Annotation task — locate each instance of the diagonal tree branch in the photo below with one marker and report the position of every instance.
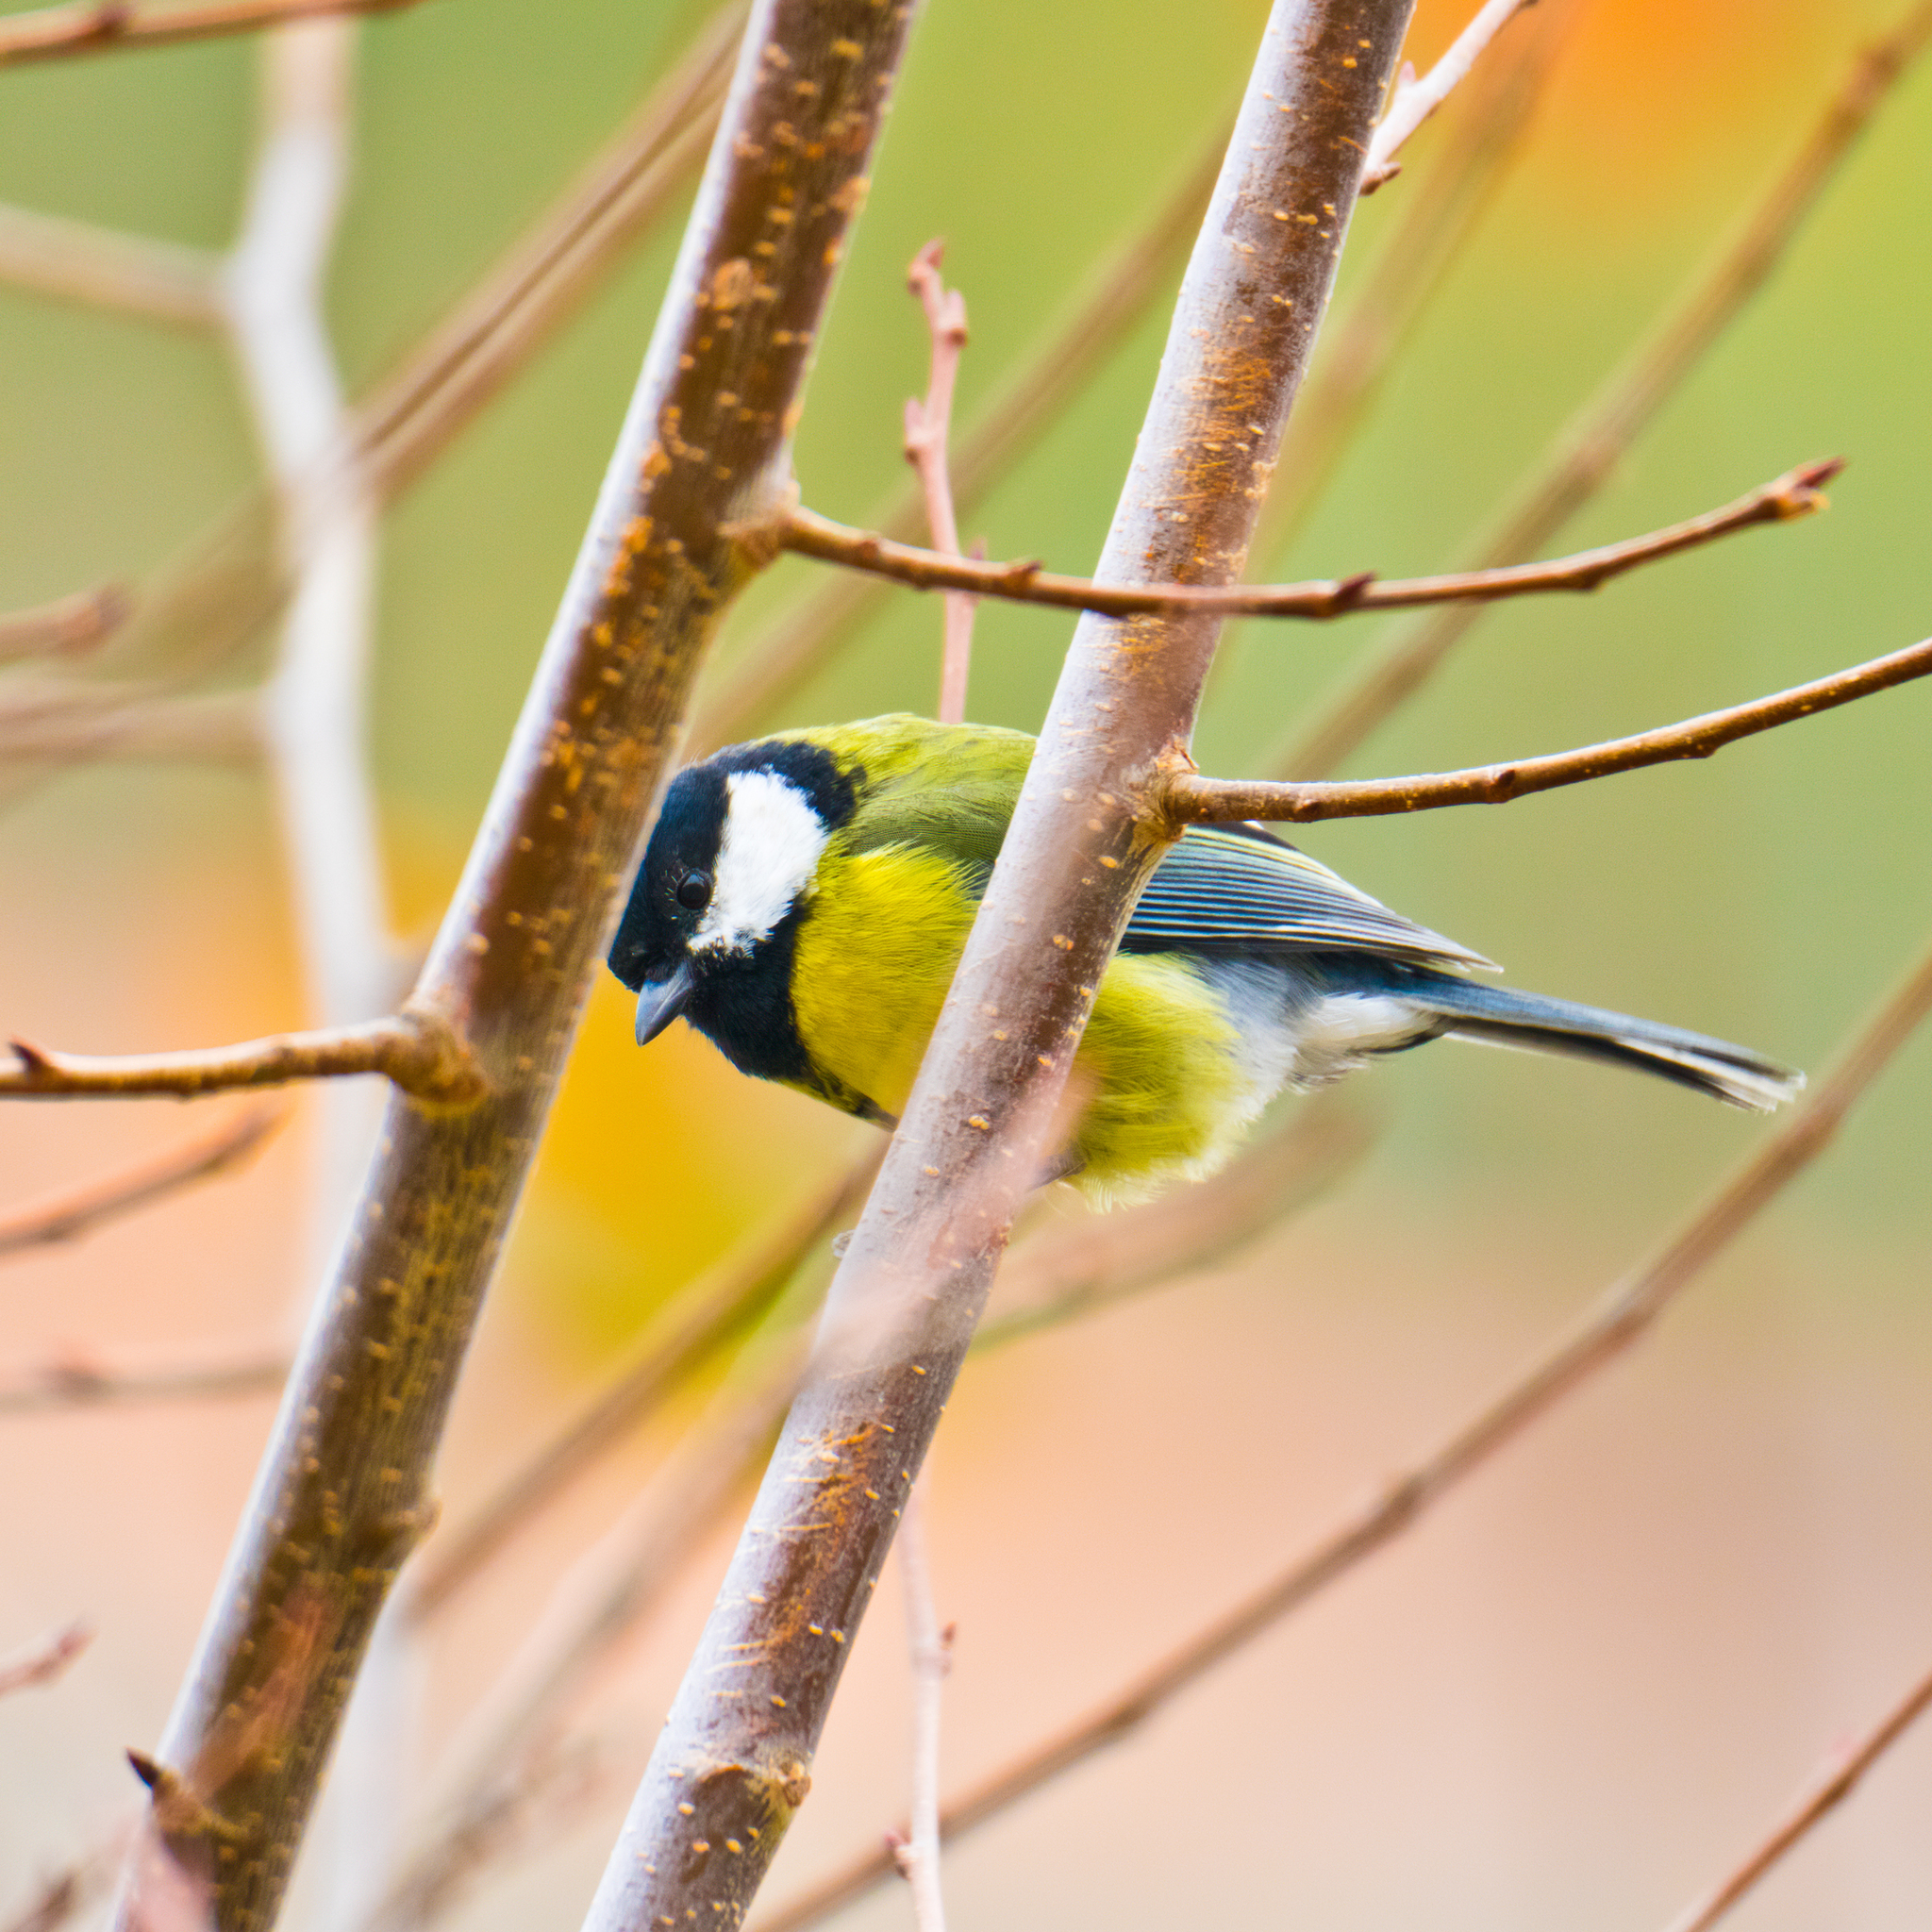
(1588, 450)
(78, 263)
(1796, 493)
(417, 1049)
(734, 1759)
(1618, 1321)
(1832, 1788)
(99, 26)
(344, 1492)
(1441, 207)
(1195, 800)
(1413, 101)
(719, 1308)
(83, 1210)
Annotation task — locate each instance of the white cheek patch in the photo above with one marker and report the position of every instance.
(770, 850)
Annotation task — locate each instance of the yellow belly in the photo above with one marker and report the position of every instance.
(1160, 1075)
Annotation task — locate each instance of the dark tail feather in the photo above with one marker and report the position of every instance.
(1502, 1017)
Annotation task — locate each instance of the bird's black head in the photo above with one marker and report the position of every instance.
(709, 927)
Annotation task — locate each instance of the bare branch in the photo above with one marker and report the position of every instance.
(1193, 799)
(1439, 210)
(717, 1308)
(73, 1382)
(1796, 493)
(927, 427)
(1620, 1320)
(345, 1490)
(1413, 101)
(66, 723)
(66, 627)
(930, 1649)
(83, 1210)
(417, 1049)
(730, 1772)
(781, 657)
(40, 1664)
(76, 261)
(1588, 450)
(98, 26)
(1832, 1788)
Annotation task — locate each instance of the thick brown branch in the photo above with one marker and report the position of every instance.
(45, 1661)
(1193, 799)
(1619, 1321)
(734, 1759)
(97, 26)
(1831, 1789)
(64, 628)
(1796, 493)
(1588, 450)
(344, 1492)
(83, 1210)
(418, 1050)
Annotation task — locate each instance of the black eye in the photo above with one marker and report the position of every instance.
(694, 890)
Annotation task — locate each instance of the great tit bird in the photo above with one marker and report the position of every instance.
(804, 900)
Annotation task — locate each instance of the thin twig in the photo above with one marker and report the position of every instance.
(717, 1308)
(930, 1651)
(1586, 453)
(1413, 101)
(1833, 1787)
(730, 1772)
(1796, 493)
(1617, 1323)
(1195, 800)
(418, 1050)
(782, 656)
(927, 426)
(83, 1210)
(76, 261)
(99, 26)
(76, 1886)
(61, 723)
(40, 1664)
(73, 1382)
(64, 628)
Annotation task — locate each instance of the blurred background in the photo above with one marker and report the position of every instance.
(1580, 1692)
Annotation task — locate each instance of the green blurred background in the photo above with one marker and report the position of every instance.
(1768, 895)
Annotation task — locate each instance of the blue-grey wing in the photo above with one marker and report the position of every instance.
(1238, 889)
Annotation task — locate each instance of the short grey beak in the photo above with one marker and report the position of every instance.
(661, 1003)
